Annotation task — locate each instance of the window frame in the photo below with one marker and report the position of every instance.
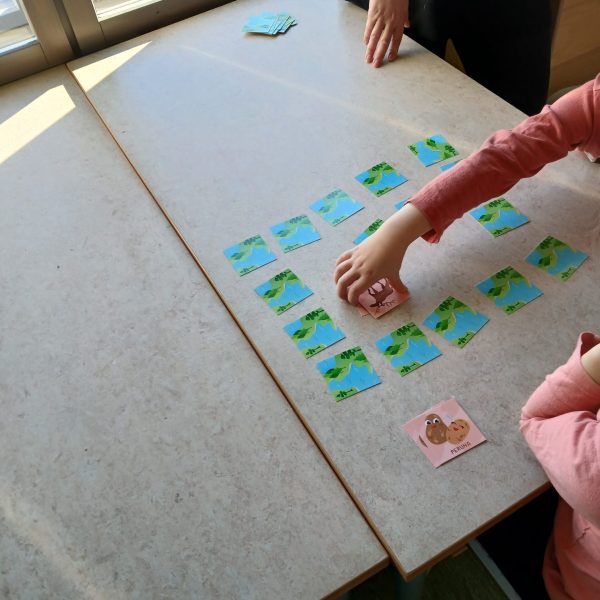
(50, 48)
(93, 34)
(66, 29)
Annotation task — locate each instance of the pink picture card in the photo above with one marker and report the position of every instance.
(444, 432)
(380, 298)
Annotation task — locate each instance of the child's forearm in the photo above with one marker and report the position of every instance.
(508, 156)
(590, 361)
(405, 226)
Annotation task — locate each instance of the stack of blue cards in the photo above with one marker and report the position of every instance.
(269, 23)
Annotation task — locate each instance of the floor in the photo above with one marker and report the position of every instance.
(461, 577)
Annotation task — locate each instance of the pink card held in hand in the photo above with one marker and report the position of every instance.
(380, 298)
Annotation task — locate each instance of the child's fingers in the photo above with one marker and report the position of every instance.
(397, 284)
(341, 269)
(343, 257)
(356, 289)
(345, 281)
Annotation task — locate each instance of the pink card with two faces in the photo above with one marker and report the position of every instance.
(443, 432)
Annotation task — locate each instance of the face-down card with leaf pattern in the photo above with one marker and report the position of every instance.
(369, 231)
(283, 291)
(499, 216)
(336, 207)
(249, 255)
(407, 349)
(509, 290)
(455, 321)
(432, 150)
(449, 165)
(295, 233)
(400, 204)
(314, 332)
(348, 373)
(381, 178)
(556, 258)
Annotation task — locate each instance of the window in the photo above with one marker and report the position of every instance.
(15, 30)
(37, 34)
(32, 38)
(105, 9)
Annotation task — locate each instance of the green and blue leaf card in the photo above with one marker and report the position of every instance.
(249, 255)
(432, 150)
(499, 216)
(449, 165)
(348, 373)
(407, 349)
(509, 290)
(455, 321)
(314, 332)
(556, 258)
(402, 202)
(381, 178)
(336, 207)
(283, 291)
(369, 231)
(295, 233)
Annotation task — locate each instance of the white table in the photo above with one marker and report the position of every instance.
(146, 451)
(234, 133)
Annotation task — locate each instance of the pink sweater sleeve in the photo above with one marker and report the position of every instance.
(560, 424)
(507, 156)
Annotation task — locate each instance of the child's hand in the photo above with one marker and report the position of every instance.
(591, 363)
(376, 257)
(380, 255)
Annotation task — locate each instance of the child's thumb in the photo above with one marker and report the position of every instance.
(397, 284)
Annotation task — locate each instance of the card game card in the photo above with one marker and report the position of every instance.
(369, 231)
(336, 207)
(295, 233)
(556, 258)
(348, 373)
(249, 255)
(499, 216)
(381, 178)
(432, 150)
(380, 298)
(455, 321)
(314, 332)
(283, 291)
(444, 432)
(509, 290)
(407, 349)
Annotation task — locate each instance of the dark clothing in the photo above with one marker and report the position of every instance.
(504, 45)
(517, 545)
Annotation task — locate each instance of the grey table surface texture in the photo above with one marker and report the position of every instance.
(234, 133)
(146, 451)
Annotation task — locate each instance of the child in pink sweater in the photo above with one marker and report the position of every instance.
(560, 423)
(567, 405)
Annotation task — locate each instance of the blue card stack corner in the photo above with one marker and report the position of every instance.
(269, 23)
